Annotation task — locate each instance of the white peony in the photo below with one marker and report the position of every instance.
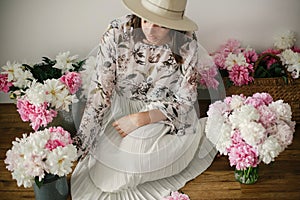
(235, 59)
(236, 102)
(285, 40)
(65, 62)
(289, 57)
(59, 160)
(215, 120)
(269, 150)
(253, 133)
(292, 61)
(225, 139)
(283, 110)
(295, 70)
(11, 69)
(57, 94)
(243, 115)
(22, 78)
(36, 93)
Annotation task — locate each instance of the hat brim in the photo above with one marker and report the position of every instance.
(185, 24)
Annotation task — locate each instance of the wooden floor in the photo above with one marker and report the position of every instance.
(279, 180)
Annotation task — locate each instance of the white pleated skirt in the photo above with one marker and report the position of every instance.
(147, 164)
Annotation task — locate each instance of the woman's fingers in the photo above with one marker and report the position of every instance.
(120, 131)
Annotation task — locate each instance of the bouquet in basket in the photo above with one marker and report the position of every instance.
(42, 89)
(242, 65)
(285, 55)
(252, 129)
(235, 62)
(33, 156)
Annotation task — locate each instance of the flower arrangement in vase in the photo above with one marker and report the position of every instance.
(43, 89)
(253, 129)
(40, 153)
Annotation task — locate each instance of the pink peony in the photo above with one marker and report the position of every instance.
(251, 56)
(284, 135)
(177, 196)
(267, 116)
(4, 84)
(24, 109)
(208, 78)
(72, 80)
(219, 60)
(295, 49)
(231, 46)
(270, 61)
(37, 115)
(259, 99)
(240, 75)
(53, 144)
(241, 154)
(58, 133)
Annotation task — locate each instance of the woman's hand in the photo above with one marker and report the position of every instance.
(129, 123)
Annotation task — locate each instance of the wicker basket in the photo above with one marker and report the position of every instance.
(287, 90)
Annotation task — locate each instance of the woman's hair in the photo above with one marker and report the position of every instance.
(178, 37)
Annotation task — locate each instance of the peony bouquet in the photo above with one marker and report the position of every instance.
(252, 129)
(44, 88)
(236, 62)
(288, 55)
(177, 196)
(43, 152)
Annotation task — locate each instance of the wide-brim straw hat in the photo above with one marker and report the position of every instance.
(166, 13)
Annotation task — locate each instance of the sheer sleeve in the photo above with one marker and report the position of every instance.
(99, 95)
(179, 106)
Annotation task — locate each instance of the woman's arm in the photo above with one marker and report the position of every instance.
(129, 123)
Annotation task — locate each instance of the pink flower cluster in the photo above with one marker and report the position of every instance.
(270, 60)
(236, 62)
(241, 154)
(207, 78)
(252, 129)
(58, 138)
(4, 84)
(38, 115)
(177, 196)
(72, 80)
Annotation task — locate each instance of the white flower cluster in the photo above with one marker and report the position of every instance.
(285, 40)
(291, 60)
(235, 59)
(29, 157)
(19, 77)
(65, 62)
(265, 127)
(52, 91)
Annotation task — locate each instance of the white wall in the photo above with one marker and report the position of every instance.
(34, 28)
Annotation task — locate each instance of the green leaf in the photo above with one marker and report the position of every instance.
(38, 182)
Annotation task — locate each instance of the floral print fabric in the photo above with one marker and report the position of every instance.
(139, 71)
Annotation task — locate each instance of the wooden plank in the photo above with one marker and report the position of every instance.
(278, 180)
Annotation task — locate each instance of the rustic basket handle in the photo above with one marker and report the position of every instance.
(265, 55)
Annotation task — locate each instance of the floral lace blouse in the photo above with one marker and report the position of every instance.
(139, 71)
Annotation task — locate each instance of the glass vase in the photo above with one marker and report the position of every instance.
(246, 176)
(53, 188)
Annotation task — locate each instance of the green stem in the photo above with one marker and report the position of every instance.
(249, 170)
